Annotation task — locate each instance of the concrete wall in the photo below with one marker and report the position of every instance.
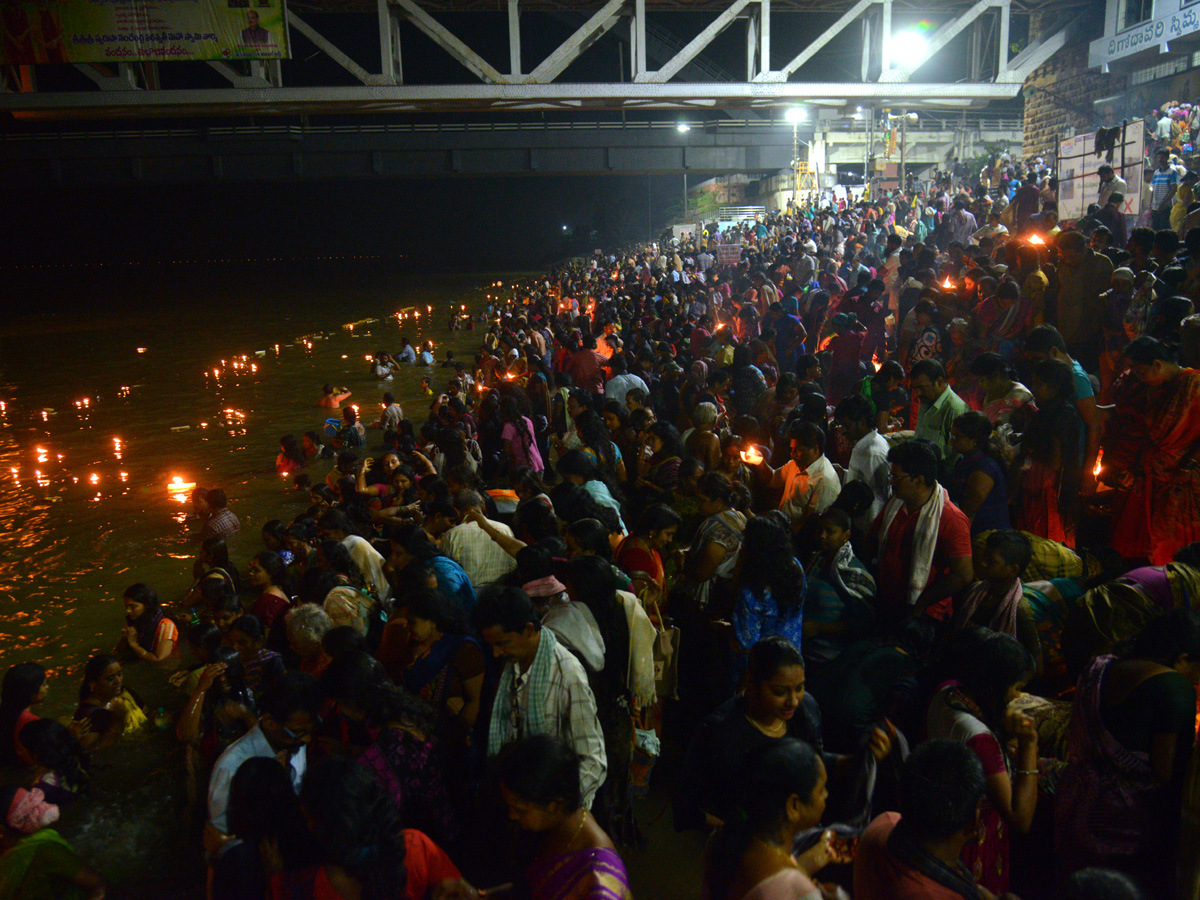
(1064, 89)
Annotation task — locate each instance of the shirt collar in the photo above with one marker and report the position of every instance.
(943, 399)
(867, 439)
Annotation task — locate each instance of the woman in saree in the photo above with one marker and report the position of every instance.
(1033, 281)
(212, 565)
(109, 708)
(639, 553)
(1050, 466)
(781, 793)
(662, 475)
(770, 588)
(713, 553)
(1002, 397)
(1158, 455)
(412, 550)
(442, 664)
(149, 634)
(402, 749)
(703, 588)
(576, 860)
(1133, 725)
(37, 862)
(988, 671)
(732, 467)
(270, 576)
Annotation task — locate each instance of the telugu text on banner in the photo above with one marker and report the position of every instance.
(79, 31)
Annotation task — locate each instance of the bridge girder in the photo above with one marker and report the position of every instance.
(261, 91)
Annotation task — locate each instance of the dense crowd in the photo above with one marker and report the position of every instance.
(878, 525)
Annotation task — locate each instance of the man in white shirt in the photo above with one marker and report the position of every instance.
(543, 688)
(621, 382)
(891, 273)
(868, 459)
(484, 561)
(335, 525)
(290, 712)
(809, 481)
(1162, 131)
(406, 353)
(1110, 182)
(991, 229)
(389, 419)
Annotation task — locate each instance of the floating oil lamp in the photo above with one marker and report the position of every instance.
(948, 284)
(180, 489)
(1036, 240)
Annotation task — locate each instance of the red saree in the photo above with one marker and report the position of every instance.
(1162, 513)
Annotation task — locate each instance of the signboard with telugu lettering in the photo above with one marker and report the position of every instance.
(1078, 171)
(97, 31)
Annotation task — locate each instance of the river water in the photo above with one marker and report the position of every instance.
(114, 381)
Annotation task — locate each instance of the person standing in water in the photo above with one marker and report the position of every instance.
(331, 397)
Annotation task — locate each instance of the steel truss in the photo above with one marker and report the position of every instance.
(133, 89)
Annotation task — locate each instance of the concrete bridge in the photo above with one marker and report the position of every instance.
(370, 150)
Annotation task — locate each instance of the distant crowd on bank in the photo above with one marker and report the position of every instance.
(879, 529)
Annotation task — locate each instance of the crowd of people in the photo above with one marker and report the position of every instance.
(786, 517)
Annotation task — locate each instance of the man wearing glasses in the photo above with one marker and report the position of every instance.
(290, 712)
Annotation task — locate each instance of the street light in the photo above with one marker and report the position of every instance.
(684, 128)
(909, 49)
(795, 115)
(904, 120)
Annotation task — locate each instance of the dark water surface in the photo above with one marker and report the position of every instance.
(115, 380)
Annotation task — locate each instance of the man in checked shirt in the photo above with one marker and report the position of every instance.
(543, 688)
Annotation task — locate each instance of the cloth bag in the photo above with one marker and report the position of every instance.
(666, 658)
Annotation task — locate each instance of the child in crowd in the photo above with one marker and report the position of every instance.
(840, 590)
(994, 600)
(60, 761)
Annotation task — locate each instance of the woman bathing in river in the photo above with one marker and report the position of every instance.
(110, 709)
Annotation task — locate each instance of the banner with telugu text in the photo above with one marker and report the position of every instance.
(78, 31)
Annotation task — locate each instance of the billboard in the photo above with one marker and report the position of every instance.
(1078, 162)
(93, 31)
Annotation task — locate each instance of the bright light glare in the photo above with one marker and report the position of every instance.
(908, 50)
(795, 114)
(683, 127)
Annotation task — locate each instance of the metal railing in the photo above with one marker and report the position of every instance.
(935, 123)
(925, 123)
(739, 213)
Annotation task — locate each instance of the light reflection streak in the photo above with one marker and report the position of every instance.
(129, 536)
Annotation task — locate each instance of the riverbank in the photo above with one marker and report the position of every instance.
(113, 385)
